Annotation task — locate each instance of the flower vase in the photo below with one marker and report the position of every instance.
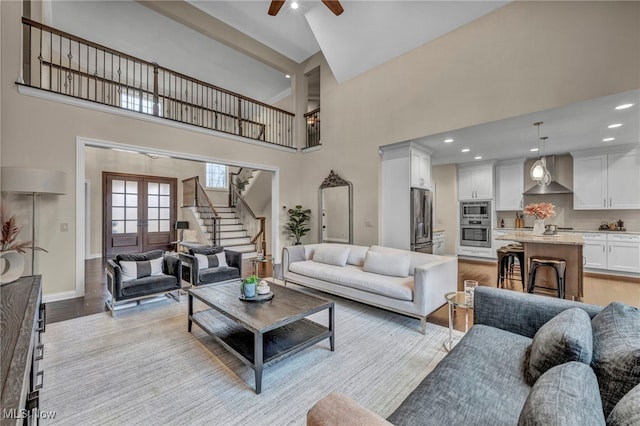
(538, 227)
(11, 266)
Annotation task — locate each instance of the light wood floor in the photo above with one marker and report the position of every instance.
(598, 290)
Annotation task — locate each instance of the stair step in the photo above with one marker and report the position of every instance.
(227, 215)
(231, 227)
(246, 248)
(223, 209)
(233, 234)
(235, 241)
(250, 255)
(234, 221)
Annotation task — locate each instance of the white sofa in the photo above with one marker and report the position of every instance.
(402, 281)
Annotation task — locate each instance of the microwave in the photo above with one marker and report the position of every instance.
(475, 211)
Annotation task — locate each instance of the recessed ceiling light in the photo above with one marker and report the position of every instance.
(465, 150)
(294, 5)
(608, 139)
(613, 126)
(533, 149)
(448, 140)
(287, 76)
(477, 157)
(624, 106)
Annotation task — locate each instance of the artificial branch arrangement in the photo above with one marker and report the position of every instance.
(540, 210)
(10, 232)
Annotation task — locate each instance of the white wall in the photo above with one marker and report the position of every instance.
(524, 57)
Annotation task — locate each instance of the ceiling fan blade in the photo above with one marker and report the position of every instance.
(275, 7)
(334, 6)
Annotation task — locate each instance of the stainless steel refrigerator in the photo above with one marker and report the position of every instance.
(421, 220)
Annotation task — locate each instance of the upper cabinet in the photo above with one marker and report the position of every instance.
(475, 181)
(606, 181)
(509, 185)
(420, 169)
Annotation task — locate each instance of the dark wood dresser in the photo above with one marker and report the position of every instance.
(22, 318)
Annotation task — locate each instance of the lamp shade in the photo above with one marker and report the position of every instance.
(32, 181)
(182, 225)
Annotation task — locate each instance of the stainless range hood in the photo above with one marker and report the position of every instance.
(553, 187)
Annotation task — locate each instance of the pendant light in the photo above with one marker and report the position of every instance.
(539, 168)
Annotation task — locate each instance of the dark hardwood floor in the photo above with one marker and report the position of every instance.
(598, 289)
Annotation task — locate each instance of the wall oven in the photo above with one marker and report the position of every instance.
(475, 223)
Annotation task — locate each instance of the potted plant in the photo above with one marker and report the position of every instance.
(297, 224)
(241, 184)
(249, 286)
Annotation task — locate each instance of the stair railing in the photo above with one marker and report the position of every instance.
(255, 226)
(194, 195)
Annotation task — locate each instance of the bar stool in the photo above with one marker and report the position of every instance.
(507, 257)
(558, 265)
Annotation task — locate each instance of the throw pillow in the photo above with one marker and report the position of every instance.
(211, 260)
(357, 255)
(153, 254)
(616, 352)
(565, 395)
(391, 264)
(627, 410)
(566, 337)
(332, 254)
(132, 270)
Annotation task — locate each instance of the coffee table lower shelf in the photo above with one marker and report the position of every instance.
(277, 344)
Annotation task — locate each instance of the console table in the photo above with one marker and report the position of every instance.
(22, 318)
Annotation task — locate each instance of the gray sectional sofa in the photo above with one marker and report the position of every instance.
(407, 282)
(528, 360)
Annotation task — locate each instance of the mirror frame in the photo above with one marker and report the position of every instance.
(332, 181)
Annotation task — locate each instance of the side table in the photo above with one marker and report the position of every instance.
(457, 299)
(256, 262)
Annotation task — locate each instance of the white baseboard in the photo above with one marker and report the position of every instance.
(58, 296)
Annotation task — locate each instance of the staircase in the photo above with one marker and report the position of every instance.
(232, 233)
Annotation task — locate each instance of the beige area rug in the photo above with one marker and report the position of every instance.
(144, 368)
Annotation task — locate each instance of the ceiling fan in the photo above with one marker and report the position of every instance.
(333, 5)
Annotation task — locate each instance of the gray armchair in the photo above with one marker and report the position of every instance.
(203, 274)
(147, 280)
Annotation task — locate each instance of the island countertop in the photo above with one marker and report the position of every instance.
(528, 237)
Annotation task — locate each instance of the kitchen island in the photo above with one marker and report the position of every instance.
(560, 246)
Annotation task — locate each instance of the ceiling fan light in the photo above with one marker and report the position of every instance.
(294, 5)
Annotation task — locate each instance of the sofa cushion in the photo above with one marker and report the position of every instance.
(357, 255)
(132, 270)
(150, 285)
(480, 382)
(355, 277)
(417, 259)
(566, 337)
(332, 254)
(214, 275)
(627, 410)
(153, 254)
(211, 260)
(616, 352)
(392, 264)
(567, 395)
(205, 250)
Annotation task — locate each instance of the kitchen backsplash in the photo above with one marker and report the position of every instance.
(566, 216)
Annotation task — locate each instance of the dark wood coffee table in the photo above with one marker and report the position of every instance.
(261, 333)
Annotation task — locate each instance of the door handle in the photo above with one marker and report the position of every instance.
(609, 202)
(604, 202)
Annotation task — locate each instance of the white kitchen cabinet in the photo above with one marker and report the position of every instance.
(606, 181)
(438, 243)
(420, 169)
(486, 252)
(623, 252)
(509, 176)
(595, 250)
(475, 182)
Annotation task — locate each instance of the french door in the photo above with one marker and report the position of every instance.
(139, 213)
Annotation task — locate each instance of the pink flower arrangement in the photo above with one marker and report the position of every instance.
(540, 210)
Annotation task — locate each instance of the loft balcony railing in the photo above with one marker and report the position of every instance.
(62, 63)
(312, 120)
